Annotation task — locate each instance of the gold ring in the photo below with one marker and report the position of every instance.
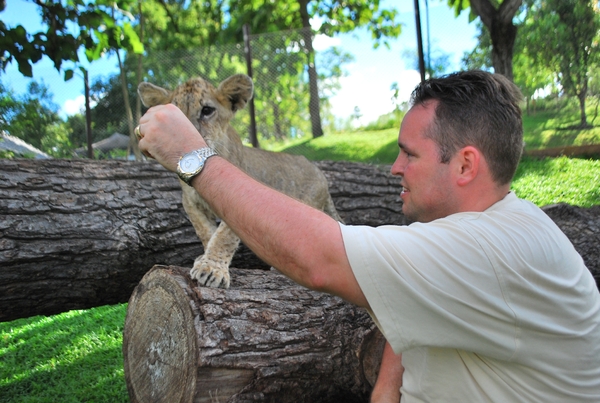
(137, 132)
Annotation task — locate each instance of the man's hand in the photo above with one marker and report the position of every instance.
(167, 134)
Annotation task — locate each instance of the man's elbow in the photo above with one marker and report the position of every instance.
(316, 280)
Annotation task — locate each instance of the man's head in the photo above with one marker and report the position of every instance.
(479, 109)
(460, 144)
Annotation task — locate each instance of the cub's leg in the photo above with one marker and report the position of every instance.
(202, 218)
(212, 268)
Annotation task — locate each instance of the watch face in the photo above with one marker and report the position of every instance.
(190, 163)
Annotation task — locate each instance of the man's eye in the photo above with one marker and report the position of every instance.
(206, 111)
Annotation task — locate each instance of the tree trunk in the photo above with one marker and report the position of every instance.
(75, 234)
(313, 78)
(503, 40)
(264, 340)
(581, 97)
(503, 32)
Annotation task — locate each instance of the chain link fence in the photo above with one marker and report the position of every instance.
(279, 70)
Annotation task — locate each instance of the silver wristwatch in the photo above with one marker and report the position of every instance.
(191, 164)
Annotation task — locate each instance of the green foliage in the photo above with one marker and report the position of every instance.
(6, 154)
(77, 130)
(69, 358)
(33, 117)
(562, 36)
(387, 121)
(347, 15)
(108, 114)
(100, 27)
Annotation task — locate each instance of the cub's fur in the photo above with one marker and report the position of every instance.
(210, 109)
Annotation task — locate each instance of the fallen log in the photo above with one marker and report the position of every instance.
(266, 340)
(75, 234)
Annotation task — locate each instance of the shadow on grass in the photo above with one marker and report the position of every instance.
(557, 128)
(96, 377)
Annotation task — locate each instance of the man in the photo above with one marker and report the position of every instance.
(483, 296)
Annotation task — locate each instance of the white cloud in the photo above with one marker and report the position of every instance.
(323, 42)
(371, 93)
(73, 106)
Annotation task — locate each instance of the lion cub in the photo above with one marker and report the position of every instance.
(211, 109)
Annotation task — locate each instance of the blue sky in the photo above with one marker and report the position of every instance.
(370, 75)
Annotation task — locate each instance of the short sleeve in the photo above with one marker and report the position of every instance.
(431, 285)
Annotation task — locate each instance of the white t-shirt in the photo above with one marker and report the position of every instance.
(493, 306)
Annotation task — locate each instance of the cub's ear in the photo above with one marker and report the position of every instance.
(237, 90)
(152, 95)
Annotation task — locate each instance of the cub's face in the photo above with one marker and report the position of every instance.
(210, 109)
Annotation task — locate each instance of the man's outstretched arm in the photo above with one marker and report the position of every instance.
(303, 243)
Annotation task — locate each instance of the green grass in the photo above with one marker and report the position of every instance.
(556, 126)
(376, 147)
(575, 181)
(69, 358)
(76, 356)
(546, 130)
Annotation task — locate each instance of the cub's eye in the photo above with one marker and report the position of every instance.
(206, 112)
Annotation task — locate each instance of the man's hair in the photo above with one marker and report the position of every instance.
(479, 109)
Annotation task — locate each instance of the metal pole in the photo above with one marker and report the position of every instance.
(248, 52)
(419, 41)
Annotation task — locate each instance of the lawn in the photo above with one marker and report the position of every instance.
(76, 356)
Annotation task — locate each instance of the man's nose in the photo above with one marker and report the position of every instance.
(397, 167)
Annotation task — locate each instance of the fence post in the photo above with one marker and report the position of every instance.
(88, 115)
(248, 53)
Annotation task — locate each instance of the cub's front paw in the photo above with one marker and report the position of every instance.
(210, 273)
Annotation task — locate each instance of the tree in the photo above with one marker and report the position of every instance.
(33, 118)
(338, 16)
(96, 30)
(569, 31)
(497, 16)
(528, 74)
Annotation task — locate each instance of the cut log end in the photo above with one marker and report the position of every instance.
(267, 339)
(159, 343)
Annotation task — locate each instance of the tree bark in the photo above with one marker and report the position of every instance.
(75, 234)
(582, 227)
(266, 340)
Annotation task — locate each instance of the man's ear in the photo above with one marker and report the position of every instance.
(468, 164)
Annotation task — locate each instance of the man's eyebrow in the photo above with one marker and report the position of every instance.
(402, 146)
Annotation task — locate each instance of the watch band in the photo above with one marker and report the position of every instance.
(202, 154)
